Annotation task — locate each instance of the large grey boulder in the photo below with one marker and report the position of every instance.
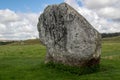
(70, 39)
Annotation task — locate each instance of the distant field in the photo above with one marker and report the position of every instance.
(25, 61)
(112, 40)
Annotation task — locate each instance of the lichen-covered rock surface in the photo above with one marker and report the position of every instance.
(69, 38)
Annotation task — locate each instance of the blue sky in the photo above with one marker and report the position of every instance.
(27, 5)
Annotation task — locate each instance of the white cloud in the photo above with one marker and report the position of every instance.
(8, 16)
(104, 8)
(101, 19)
(99, 3)
(109, 12)
(17, 26)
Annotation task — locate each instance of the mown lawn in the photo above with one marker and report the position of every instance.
(26, 62)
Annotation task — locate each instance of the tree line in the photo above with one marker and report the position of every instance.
(105, 35)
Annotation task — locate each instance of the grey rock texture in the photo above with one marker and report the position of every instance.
(70, 39)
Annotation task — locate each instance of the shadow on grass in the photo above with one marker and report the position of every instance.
(74, 70)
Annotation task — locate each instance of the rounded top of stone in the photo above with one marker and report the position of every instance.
(57, 5)
(62, 6)
(63, 3)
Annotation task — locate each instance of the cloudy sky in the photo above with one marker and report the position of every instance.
(18, 18)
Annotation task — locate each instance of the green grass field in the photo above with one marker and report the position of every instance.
(26, 62)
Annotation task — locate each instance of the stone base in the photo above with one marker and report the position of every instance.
(89, 67)
(74, 62)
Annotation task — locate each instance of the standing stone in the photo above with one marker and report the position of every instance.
(70, 39)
